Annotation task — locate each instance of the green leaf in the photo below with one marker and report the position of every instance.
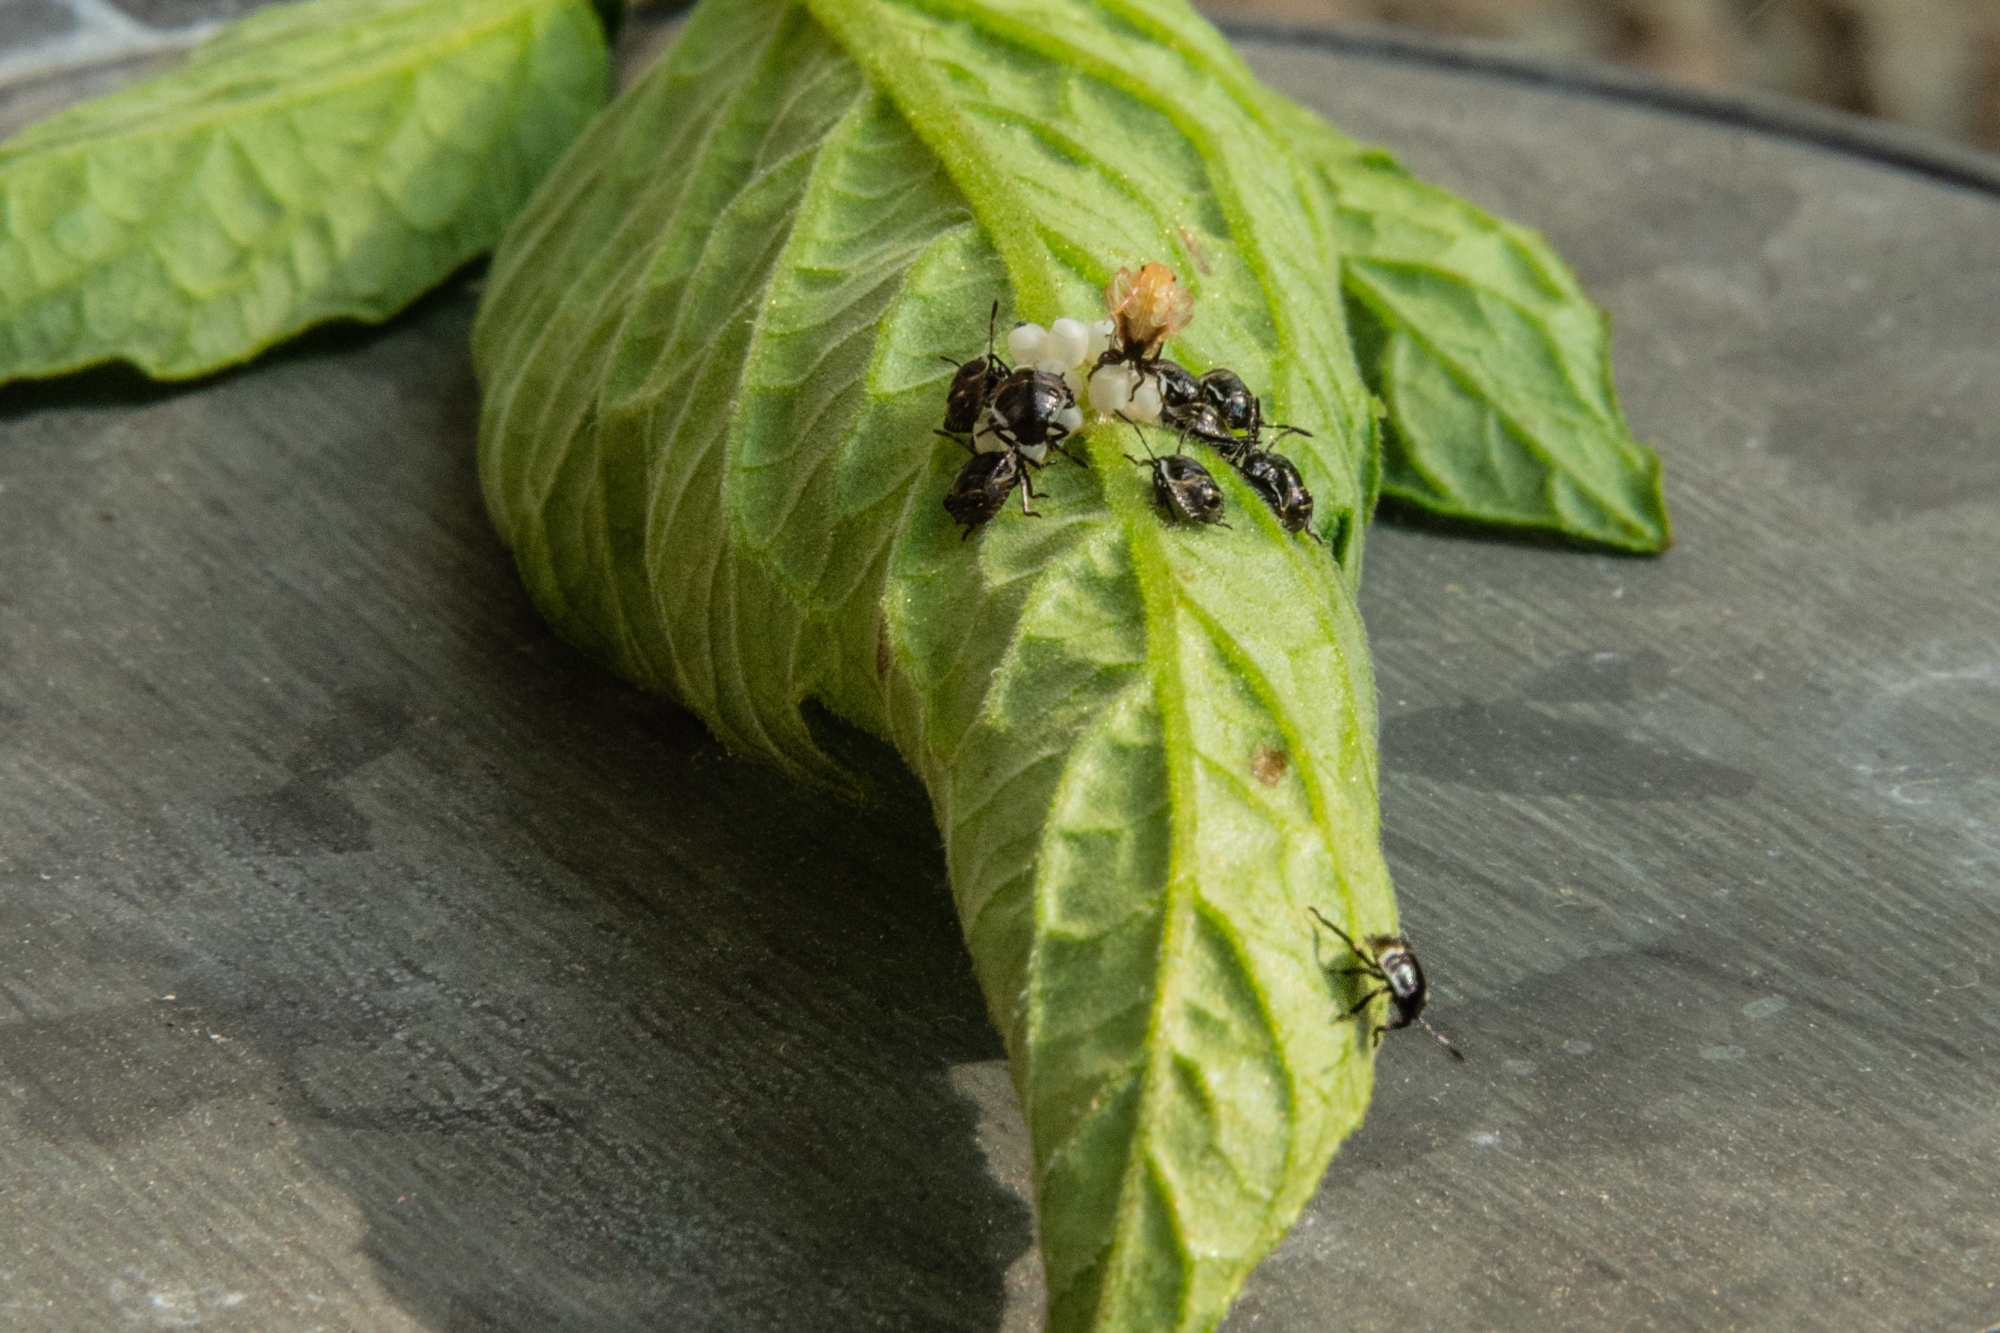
(1494, 366)
(311, 162)
(710, 356)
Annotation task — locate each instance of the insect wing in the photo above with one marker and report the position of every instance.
(1277, 480)
(1149, 307)
(1185, 487)
(971, 389)
(1233, 402)
(1178, 388)
(1033, 407)
(1407, 987)
(981, 488)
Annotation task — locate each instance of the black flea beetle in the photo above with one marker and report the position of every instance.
(1179, 389)
(1182, 407)
(1232, 400)
(1182, 487)
(1031, 413)
(1277, 479)
(1389, 960)
(1240, 411)
(973, 387)
(982, 486)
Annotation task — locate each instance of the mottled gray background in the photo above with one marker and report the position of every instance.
(368, 960)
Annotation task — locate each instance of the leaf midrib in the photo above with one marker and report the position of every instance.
(907, 79)
(1160, 598)
(1221, 182)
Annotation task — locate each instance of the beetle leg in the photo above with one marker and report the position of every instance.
(1345, 938)
(1028, 489)
(1365, 1001)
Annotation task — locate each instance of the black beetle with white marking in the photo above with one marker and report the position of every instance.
(1389, 960)
(1182, 488)
(982, 486)
(974, 386)
(1276, 478)
(1182, 407)
(1239, 409)
(1032, 412)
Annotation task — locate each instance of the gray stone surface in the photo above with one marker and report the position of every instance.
(181, 13)
(1706, 850)
(368, 961)
(26, 21)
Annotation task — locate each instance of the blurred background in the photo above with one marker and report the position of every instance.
(1931, 63)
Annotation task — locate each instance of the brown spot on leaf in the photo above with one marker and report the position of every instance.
(1268, 765)
(882, 655)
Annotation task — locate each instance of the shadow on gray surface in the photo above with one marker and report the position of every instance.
(1517, 747)
(592, 1025)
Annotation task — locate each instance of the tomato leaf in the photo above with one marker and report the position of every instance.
(310, 162)
(1492, 363)
(710, 352)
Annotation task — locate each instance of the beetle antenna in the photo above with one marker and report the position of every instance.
(1143, 442)
(1456, 1054)
(1345, 937)
(992, 325)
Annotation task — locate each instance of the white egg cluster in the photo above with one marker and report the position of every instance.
(1119, 390)
(1069, 348)
(1064, 348)
(1061, 350)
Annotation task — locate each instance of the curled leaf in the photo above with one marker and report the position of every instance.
(310, 162)
(710, 351)
(1493, 364)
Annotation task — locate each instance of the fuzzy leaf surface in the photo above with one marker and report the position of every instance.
(1492, 362)
(315, 161)
(709, 351)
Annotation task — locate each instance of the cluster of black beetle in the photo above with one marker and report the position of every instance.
(1009, 418)
(1026, 411)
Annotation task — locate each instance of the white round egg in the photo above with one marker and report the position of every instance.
(1068, 342)
(1025, 343)
(1145, 405)
(1111, 389)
